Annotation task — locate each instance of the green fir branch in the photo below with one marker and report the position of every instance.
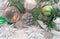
(17, 4)
(35, 14)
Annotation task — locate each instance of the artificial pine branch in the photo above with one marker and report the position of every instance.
(17, 4)
(56, 1)
(35, 14)
(49, 22)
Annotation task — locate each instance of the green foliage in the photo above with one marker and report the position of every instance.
(9, 23)
(17, 4)
(56, 1)
(35, 14)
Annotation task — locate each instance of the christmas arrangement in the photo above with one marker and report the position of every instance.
(30, 12)
(43, 8)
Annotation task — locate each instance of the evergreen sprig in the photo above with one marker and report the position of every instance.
(35, 13)
(17, 4)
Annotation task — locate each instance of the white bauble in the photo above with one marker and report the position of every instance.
(3, 4)
(58, 5)
(57, 21)
(55, 6)
(56, 31)
(29, 4)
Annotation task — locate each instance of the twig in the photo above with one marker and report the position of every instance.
(41, 27)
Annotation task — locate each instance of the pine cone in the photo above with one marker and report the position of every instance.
(27, 18)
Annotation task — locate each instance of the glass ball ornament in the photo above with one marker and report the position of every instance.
(46, 10)
(12, 14)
